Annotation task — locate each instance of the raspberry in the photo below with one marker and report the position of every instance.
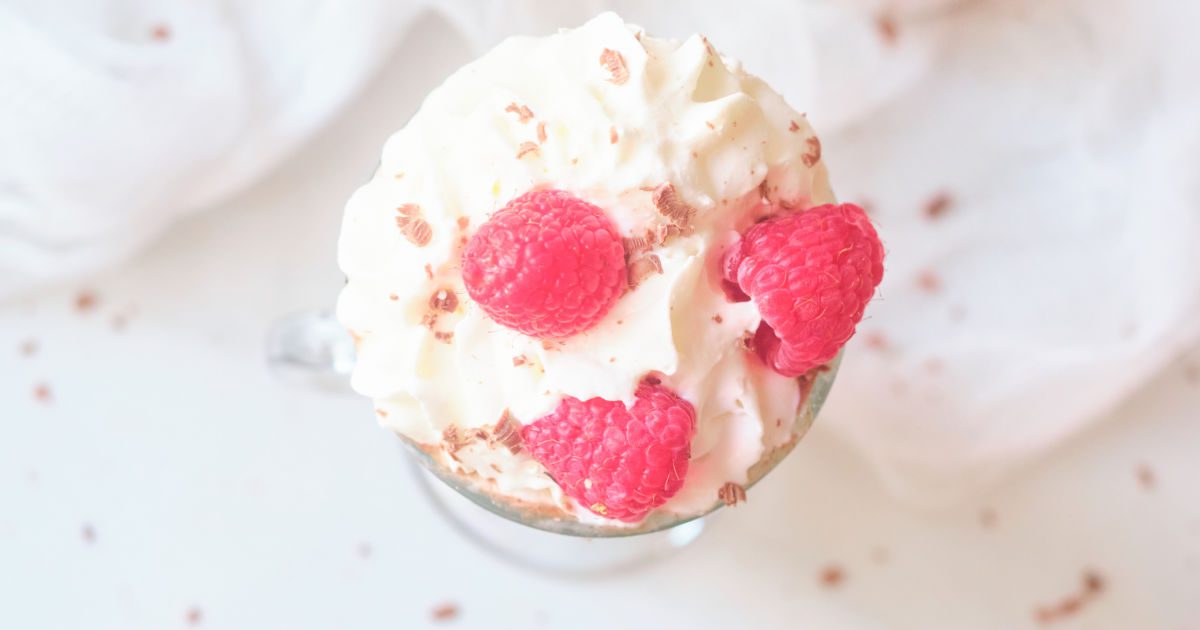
(548, 264)
(619, 463)
(810, 274)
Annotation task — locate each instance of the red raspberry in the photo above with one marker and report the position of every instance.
(619, 463)
(548, 264)
(811, 274)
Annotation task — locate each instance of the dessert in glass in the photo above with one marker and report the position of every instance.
(599, 282)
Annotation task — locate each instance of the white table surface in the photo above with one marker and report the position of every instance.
(217, 497)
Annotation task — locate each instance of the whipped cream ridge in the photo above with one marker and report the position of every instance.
(610, 115)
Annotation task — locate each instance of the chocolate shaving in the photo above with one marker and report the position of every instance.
(615, 64)
(444, 337)
(443, 300)
(429, 271)
(718, 319)
(746, 341)
(793, 126)
(414, 228)
(526, 148)
(519, 360)
(524, 114)
(731, 494)
(507, 433)
(643, 268)
(1092, 584)
(814, 152)
(612, 135)
(666, 200)
(637, 244)
(454, 439)
(541, 132)
(381, 413)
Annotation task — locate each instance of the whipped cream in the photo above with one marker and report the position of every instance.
(611, 115)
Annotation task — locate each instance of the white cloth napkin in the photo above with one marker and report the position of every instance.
(1064, 132)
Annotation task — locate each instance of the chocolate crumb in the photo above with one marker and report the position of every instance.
(710, 125)
(524, 114)
(885, 25)
(929, 282)
(746, 341)
(813, 155)
(443, 300)
(731, 494)
(1093, 582)
(526, 148)
(876, 340)
(393, 297)
(1145, 477)
(718, 319)
(194, 616)
(612, 135)
(381, 413)
(832, 576)
(793, 126)
(541, 132)
(429, 271)
(519, 360)
(42, 393)
(85, 301)
(28, 348)
(88, 533)
(160, 33)
(615, 64)
(1191, 373)
(938, 206)
(444, 337)
(463, 222)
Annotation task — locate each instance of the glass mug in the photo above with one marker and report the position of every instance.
(313, 349)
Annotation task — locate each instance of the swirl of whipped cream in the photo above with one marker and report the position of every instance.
(682, 149)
